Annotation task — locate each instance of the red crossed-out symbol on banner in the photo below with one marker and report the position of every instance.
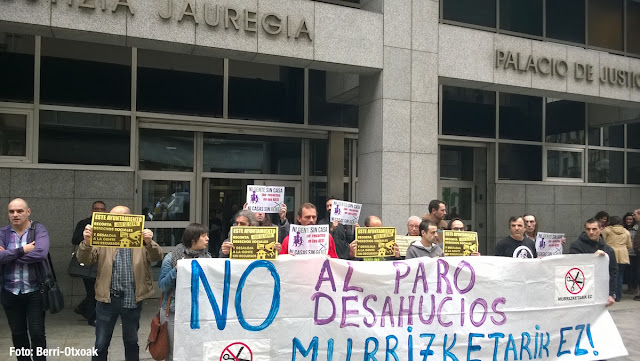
(236, 351)
(574, 281)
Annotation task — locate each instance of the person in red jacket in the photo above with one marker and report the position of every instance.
(307, 216)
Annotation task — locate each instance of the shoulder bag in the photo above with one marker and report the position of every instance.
(158, 341)
(52, 298)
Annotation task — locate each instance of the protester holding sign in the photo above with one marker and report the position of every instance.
(194, 245)
(531, 229)
(590, 241)
(307, 216)
(123, 281)
(428, 244)
(244, 218)
(264, 220)
(342, 234)
(516, 245)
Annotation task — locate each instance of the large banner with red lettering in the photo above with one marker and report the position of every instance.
(451, 308)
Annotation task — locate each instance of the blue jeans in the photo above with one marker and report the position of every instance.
(26, 318)
(106, 317)
(621, 268)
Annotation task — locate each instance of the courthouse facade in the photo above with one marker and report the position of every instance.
(173, 107)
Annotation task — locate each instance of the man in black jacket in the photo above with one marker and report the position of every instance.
(590, 241)
(342, 234)
(87, 307)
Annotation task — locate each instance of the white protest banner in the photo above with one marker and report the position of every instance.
(266, 199)
(449, 308)
(549, 244)
(309, 239)
(345, 212)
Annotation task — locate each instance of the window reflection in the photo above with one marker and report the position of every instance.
(565, 121)
(164, 200)
(606, 166)
(606, 24)
(479, 12)
(633, 26)
(456, 163)
(564, 164)
(333, 98)
(523, 16)
(520, 117)
(166, 150)
(16, 67)
(468, 112)
(520, 162)
(13, 134)
(633, 166)
(565, 20)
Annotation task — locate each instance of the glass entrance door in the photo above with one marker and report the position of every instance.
(224, 197)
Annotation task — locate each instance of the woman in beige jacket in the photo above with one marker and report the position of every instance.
(619, 239)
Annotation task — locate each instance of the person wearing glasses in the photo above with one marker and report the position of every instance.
(456, 224)
(413, 226)
(244, 218)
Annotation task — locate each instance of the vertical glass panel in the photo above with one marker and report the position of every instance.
(633, 135)
(166, 150)
(85, 74)
(179, 84)
(606, 166)
(633, 26)
(230, 153)
(478, 12)
(318, 196)
(613, 136)
(266, 92)
(565, 121)
(523, 16)
(13, 135)
(633, 170)
(564, 164)
(167, 237)
(520, 162)
(520, 117)
(84, 138)
(459, 202)
(333, 98)
(565, 20)
(16, 67)
(594, 136)
(318, 157)
(468, 112)
(456, 163)
(226, 197)
(606, 24)
(600, 117)
(166, 200)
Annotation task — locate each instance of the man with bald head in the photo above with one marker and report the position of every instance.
(123, 281)
(23, 251)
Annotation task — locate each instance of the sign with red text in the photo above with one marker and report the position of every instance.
(345, 212)
(265, 199)
(549, 244)
(447, 308)
(309, 239)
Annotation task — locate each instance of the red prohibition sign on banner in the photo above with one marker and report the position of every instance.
(236, 351)
(574, 281)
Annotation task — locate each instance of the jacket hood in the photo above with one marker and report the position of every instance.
(419, 244)
(584, 238)
(618, 229)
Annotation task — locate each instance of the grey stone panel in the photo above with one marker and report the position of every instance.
(370, 208)
(424, 180)
(618, 196)
(590, 210)
(568, 195)
(545, 216)
(5, 182)
(510, 193)
(635, 198)
(99, 184)
(395, 178)
(548, 82)
(56, 215)
(42, 183)
(282, 60)
(85, 24)
(614, 91)
(575, 54)
(339, 38)
(417, 210)
(537, 194)
(503, 212)
(285, 46)
(28, 12)
(465, 54)
(218, 37)
(4, 211)
(567, 220)
(395, 215)
(424, 128)
(82, 207)
(396, 76)
(372, 5)
(370, 178)
(425, 26)
(397, 24)
(424, 77)
(593, 195)
(370, 88)
(396, 126)
(371, 129)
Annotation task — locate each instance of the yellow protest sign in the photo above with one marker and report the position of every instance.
(404, 242)
(117, 230)
(375, 241)
(254, 243)
(460, 243)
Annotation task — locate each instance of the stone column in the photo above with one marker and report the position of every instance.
(398, 139)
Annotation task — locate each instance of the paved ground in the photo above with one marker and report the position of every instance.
(67, 329)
